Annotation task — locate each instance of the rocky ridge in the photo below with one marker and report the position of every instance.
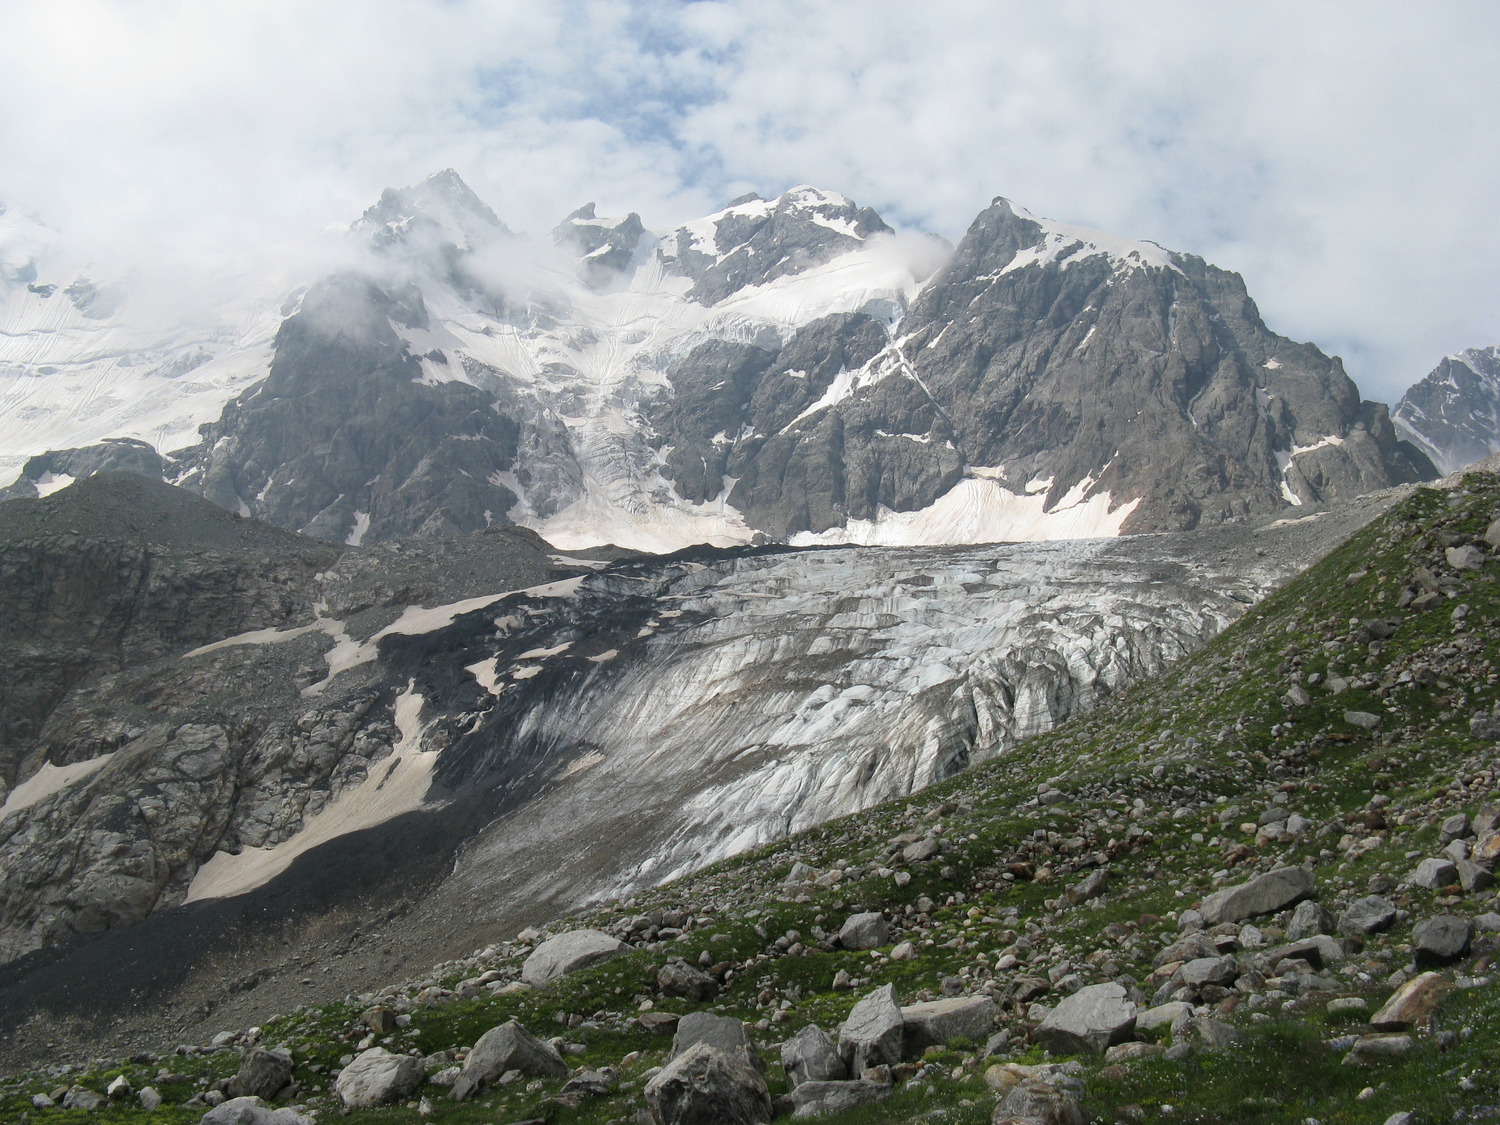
(1259, 885)
(787, 369)
(1453, 415)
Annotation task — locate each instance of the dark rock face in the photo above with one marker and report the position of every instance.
(604, 250)
(1149, 374)
(754, 240)
(742, 413)
(343, 434)
(1453, 415)
(117, 455)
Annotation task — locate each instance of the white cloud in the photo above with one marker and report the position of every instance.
(1341, 155)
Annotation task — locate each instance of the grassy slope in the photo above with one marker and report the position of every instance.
(1156, 784)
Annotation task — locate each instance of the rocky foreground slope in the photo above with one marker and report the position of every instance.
(1255, 888)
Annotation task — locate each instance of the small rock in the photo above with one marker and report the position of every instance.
(79, 1098)
(921, 850)
(904, 951)
(1214, 1034)
(1163, 1015)
(1362, 719)
(119, 1088)
(1128, 1052)
(1455, 827)
(1210, 970)
(149, 1098)
(592, 1083)
(1377, 1048)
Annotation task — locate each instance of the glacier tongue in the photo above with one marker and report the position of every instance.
(762, 694)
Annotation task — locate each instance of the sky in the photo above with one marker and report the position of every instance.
(1343, 156)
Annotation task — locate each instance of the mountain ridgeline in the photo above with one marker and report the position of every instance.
(786, 369)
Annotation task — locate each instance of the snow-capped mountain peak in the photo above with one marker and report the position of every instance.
(1066, 244)
(1453, 415)
(442, 209)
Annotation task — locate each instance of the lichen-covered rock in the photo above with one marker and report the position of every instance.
(507, 1047)
(873, 1032)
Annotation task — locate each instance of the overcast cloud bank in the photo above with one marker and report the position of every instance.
(1342, 156)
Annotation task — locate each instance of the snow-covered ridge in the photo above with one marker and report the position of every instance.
(1067, 244)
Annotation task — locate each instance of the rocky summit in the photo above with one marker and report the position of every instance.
(786, 370)
(1453, 415)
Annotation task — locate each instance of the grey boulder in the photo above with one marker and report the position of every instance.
(677, 978)
(1435, 873)
(707, 1086)
(251, 1111)
(874, 1032)
(1308, 919)
(1265, 894)
(1089, 1022)
(723, 1033)
(378, 1077)
(864, 931)
(567, 953)
(1368, 915)
(262, 1074)
(1439, 940)
(1042, 1103)
(936, 1022)
(810, 1056)
(507, 1047)
(814, 1099)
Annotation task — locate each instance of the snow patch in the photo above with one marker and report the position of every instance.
(979, 510)
(356, 534)
(53, 482)
(394, 786)
(51, 779)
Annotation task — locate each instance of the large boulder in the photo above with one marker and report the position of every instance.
(1035, 1102)
(507, 1047)
(1089, 1022)
(251, 1111)
(567, 953)
(936, 1022)
(810, 1056)
(723, 1033)
(707, 1086)
(262, 1074)
(865, 931)
(1412, 1004)
(874, 1032)
(377, 1077)
(814, 1099)
(1368, 915)
(677, 978)
(1438, 940)
(1265, 894)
